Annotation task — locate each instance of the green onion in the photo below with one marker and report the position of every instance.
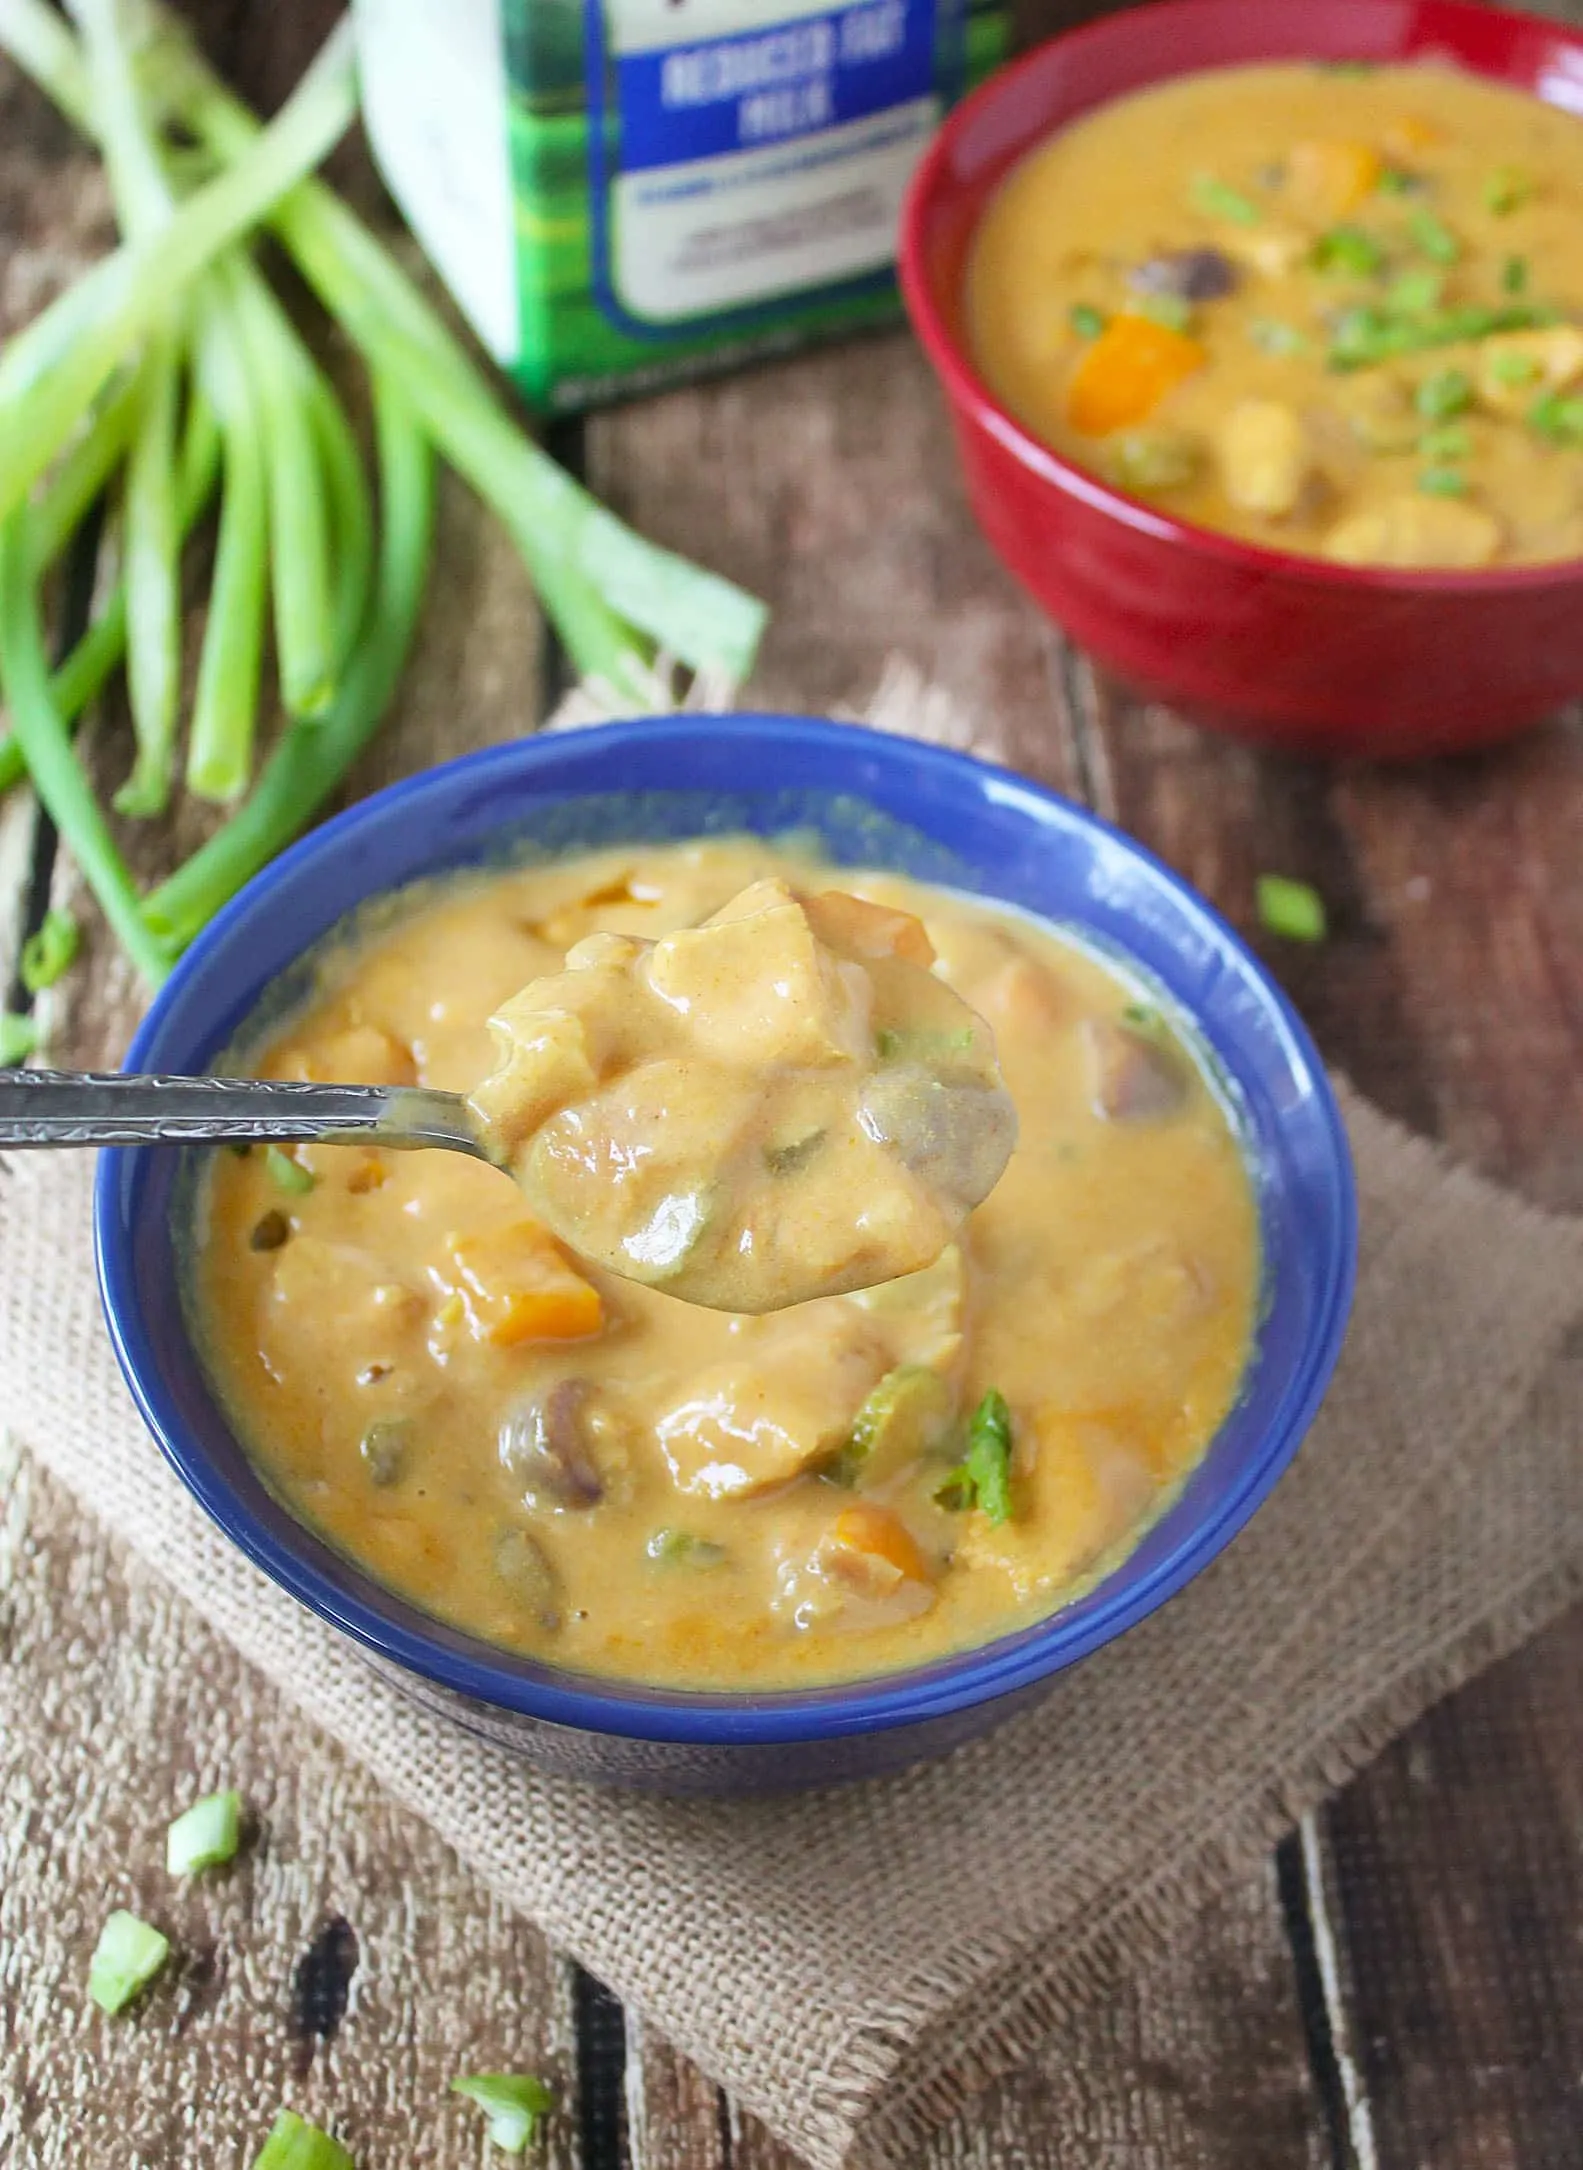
(680, 1548)
(1515, 368)
(1289, 908)
(287, 1174)
(204, 1836)
(50, 952)
(294, 2144)
(1434, 237)
(1394, 182)
(126, 1959)
(1507, 189)
(1349, 250)
(1416, 291)
(1219, 201)
(1167, 309)
(151, 523)
(1451, 443)
(514, 2103)
(18, 1039)
(83, 471)
(1559, 417)
(311, 759)
(45, 740)
(983, 1478)
(1271, 336)
(1443, 482)
(1447, 393)
(1514, 275)
(1087, 321)
(1366, 336)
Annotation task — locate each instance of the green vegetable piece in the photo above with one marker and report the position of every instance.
(680, 1548)
(1290, 909)
(1394, 182)
(50, 952)
(924, 1047)
(1416, 291)
(514, 2102)
(294, 2144)
(983, 1477)
(1273, 336)
(1434, 237)
(1087, 321)
(1514, 275)
(909, 1412)
(18, 1039)
(1365, 336)
(1507, 190)
(1450, 443)
(1443, 482)
(1515, 368)
(1217, 200)
(1447, 393)
(795, 1153)
(1154, 459)
(1347, 250)
(287, 1174)
(1559, 417)
(384, 1448)
(204, 1836)
(126, 1959)
(1171, 310)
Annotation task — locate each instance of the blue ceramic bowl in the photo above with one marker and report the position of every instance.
(870, 799)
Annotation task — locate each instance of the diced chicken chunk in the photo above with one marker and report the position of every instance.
(1265, 461)
(755, 984)
(1444, 533)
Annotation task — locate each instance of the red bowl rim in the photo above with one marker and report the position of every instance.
(968, 391)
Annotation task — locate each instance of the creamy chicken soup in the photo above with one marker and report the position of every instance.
(1332, 310)
(593, 1471)
(780, 1104)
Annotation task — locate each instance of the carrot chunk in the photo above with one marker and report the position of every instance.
(1124, 374)
(517, 1287)
(1329, 178)
(865, 1534)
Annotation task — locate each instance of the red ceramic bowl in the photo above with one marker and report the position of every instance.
(1293, 651)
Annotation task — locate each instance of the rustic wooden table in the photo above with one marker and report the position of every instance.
(1403, 1985)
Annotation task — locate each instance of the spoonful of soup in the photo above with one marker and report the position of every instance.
(784, 1102)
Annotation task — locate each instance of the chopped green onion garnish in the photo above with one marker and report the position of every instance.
(1558, 417)
(1394, 182)
(18, 1039)
(514, 2102)
(294, 2144)
(1349, 250)
(1273, 337)
(982, 1478)
(288, 1174)
(205, 1835)
(1434, 237)
(1167, 309)
(1448, 392)
(1443, 482)
(1450, 443)
(680, 1548)
(1416, 291)
(1514, 368)
(1087, 321)
(1514, 275)
(126, 1959)
(1507, 189)
(1365, 336)
(50, 952)
(1290, 908)
(1219, 201)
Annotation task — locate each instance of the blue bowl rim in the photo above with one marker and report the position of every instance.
(586, 1702)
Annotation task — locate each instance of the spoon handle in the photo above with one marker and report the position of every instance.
(66, 1107)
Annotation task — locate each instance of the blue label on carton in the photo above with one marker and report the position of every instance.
(742, 93)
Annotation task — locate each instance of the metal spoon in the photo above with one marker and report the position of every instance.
(68, 1107)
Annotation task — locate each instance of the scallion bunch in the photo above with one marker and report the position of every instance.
(170, 377)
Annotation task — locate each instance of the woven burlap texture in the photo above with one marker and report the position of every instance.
(852, 1965)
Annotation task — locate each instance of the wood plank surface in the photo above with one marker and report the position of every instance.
(1447, 1892)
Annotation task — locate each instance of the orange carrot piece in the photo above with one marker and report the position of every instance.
(517, 1287)
(874, 1533)
(1328, 178)
(1125, 373)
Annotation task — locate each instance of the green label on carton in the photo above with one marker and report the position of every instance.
(625, 193)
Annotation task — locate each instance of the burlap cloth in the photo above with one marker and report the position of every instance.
(853, 1965)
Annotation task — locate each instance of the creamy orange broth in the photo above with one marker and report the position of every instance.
(1230, 294)
(593, 1471)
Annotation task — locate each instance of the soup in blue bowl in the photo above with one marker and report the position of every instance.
(775, 1701)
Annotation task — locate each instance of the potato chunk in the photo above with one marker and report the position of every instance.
(1265, 461)
(758, 985)
(516, 1286)
(1443, 533)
